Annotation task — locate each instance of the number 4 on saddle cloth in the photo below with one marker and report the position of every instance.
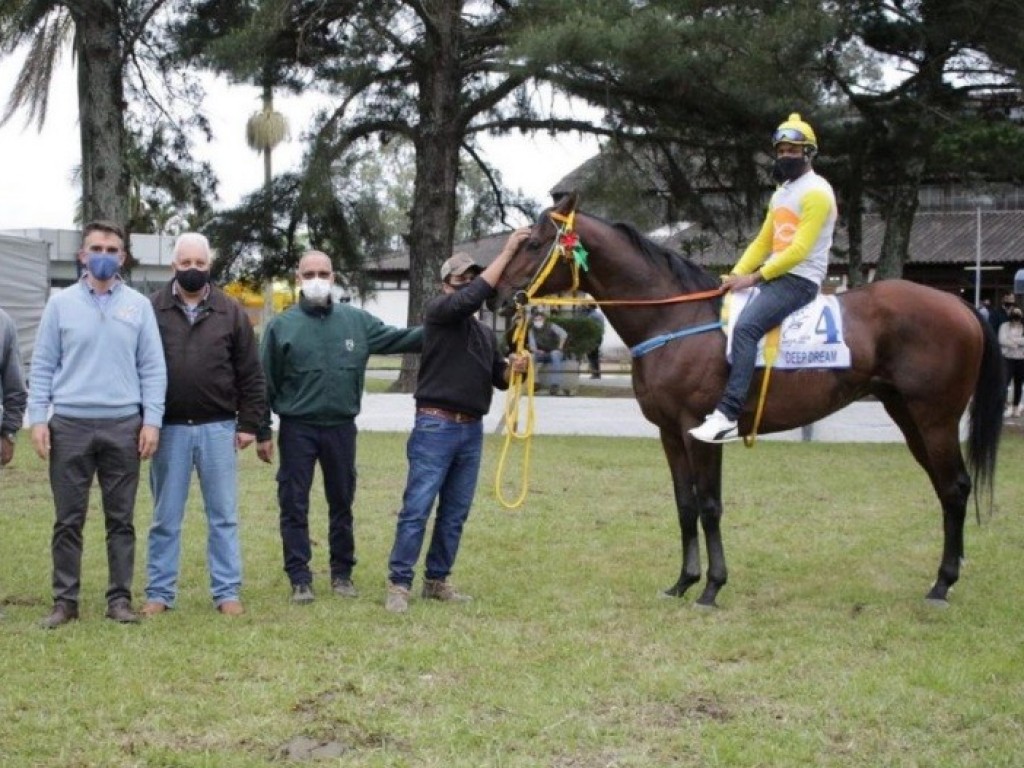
(811, 337)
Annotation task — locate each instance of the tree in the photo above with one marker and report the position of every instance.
(690, 90)
(116, 46)
(433, 72)
(945, 52)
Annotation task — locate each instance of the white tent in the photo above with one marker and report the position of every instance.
(24, 286)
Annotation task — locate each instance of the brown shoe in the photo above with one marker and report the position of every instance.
(231, 608)
(152, 608)
(439, 589)
(397, 599)
(121, 612)
(62, 613)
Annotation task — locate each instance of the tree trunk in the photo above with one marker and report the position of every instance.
(102, 106)
(898, 214)
(437, 142)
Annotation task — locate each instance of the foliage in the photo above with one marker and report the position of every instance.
(691, 91)
(823, 653)
(947, 54)
(431, 75)
(138, 113)
(584, 332)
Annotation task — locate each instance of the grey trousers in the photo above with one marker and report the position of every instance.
(79, 450)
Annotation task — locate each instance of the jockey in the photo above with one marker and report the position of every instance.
(788, 261)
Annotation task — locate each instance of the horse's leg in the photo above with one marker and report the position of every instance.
(935, 443)
(686, 510)
(707, 461)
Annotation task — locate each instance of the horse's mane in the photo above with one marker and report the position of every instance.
(690, 276)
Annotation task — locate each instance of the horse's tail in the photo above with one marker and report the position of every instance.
(986, 413)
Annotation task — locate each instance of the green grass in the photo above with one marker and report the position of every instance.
(823, 651)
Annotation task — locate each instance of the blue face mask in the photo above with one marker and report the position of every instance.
(103, 266)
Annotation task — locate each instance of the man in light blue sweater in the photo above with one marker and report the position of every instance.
(99, 364)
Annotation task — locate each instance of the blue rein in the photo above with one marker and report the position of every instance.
(650, 345)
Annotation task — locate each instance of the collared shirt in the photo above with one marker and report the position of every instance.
(102, 299)
(192, 311)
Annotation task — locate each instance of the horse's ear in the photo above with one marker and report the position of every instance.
(568, 202)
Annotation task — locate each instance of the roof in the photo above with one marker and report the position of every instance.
(951, 237)
(936, 238)
(939, 238)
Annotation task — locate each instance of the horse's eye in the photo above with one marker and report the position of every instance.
(533, 244)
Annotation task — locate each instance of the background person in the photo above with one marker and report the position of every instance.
(594, 356)
(13, 395)
(216, 397)
(546, 341)
(1011, 343)
(1001, 314)
(98, 362)
(788, 260)
(460, 367)
(12, 391)
(314, 359)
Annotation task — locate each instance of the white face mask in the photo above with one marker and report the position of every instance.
(538, 323)
(317, 290)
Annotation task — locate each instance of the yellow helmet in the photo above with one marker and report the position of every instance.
(795, 131)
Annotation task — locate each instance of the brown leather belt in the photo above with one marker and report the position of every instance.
(444, 413)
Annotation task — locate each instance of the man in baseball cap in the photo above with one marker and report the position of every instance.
(458, 265)
(460, 367)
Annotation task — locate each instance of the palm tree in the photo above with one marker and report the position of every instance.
(264, 130)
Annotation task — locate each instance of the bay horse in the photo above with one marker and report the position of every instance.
(925, 354)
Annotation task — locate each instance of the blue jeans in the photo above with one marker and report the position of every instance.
(210, 448)
(301, 447)
(444, 462)
(554, 360)
(775, 300)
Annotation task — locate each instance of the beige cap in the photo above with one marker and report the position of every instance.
(458, 264)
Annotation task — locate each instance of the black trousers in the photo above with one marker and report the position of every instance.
(301, 446)
(1015, 376)
(81, 449)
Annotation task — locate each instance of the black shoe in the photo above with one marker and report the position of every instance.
(121, 612)
(62, 613)
(302, 594)
(343, 587)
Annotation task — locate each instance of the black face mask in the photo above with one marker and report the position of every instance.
(192, 280)
(788, 168)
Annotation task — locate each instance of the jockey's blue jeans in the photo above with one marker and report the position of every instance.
(444, 463)
(774, 301)
(210, 449)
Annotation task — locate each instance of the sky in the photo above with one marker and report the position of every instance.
(37, 192)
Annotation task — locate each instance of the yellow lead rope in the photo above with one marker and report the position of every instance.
(516, 427)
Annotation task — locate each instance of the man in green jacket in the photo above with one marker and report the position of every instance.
(314, 359)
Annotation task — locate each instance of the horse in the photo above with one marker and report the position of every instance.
(925, 354)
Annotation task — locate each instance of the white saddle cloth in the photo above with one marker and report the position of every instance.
(812, 337)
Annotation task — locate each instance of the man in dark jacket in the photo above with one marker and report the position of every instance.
(314, 356)
(215, 402)
(459, 369)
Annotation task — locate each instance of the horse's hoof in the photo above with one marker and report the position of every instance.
(937, 602)
(705, 607)
(671, 592)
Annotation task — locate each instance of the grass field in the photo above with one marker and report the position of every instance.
(823, 651)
